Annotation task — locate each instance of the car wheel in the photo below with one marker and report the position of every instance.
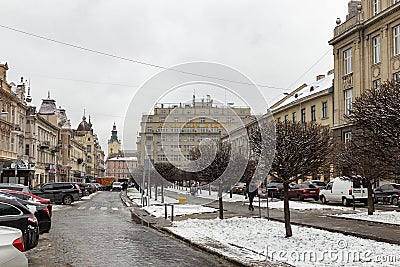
(345, 202)
(323, 200)
(67, 200)
(395, 201)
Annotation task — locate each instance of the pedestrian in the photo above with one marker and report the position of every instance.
(251, 193)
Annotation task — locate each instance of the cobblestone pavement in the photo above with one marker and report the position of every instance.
(100, 232)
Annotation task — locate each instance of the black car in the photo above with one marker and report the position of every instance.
(16, 215)
(64, 193)
(389, 193)
(275, 190)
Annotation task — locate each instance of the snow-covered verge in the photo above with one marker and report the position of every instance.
(391, 217)
(61, 206)
(179, 210)
(250, 239)
(297, 205)
(214, 195)
(135, 196)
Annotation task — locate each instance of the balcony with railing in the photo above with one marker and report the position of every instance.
(44, 144)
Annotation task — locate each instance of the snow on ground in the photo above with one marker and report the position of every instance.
(206, 194)
(159, 210)
(392, 217)
(61, 206)
(297, 205)
(135, 196)
(250, 239)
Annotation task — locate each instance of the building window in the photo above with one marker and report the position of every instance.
(375, 7)
(348, 100)
(324, 110)
(89, 148)
(278, 120)
(347, 61)
(376, 45)
(286, 118)
(396, 76)
(149, 148)
(149, 138)
(161, 158)
(376, 84)
(202, 120)
(149, 129)
(190, 138)
(162, 119)
(303, 115)
(176, 119)
(149, 119)
(313, 117)
(294, 117)
(347, 137)
(396, 40)
(164, 138)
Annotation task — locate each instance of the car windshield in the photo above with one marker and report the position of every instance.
(318, 183)
(397, 186)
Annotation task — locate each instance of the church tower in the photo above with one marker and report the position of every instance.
(114, 145)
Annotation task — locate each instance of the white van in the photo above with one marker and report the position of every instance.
(344, 190)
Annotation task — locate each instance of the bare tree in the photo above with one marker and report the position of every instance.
(302, 149)
(374, 150)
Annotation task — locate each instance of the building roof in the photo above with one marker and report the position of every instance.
(84, 126)
(307, 91)
(48, 106)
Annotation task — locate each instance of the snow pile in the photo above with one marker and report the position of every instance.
(392, 217)
(179, 210)
(214, 195)
(250, 239)
(296, 205)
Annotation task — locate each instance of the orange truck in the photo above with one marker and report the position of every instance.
(106, 182)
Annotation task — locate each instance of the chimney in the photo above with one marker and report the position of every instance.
(321, 76)
(352, 8)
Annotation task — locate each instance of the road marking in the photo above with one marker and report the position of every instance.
(82, 208)
(103, 208)
(114, 208)
(92, 208)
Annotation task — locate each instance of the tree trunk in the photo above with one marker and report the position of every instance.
(286, 209)
(221, 207)
(371, 208)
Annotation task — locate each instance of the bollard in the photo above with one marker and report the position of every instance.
(354, 203)
(259, 206)
(267, 208)
(165, 210)
(172, 213)
(230, 193)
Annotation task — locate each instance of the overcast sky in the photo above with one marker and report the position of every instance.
(274, 43)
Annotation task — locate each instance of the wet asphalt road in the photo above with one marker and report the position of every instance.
(99, 232)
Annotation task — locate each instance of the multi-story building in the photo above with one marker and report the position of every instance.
(366, 50)
(308, 103)
(12, 118)
(94, 161)
(121, 167)
(173, 130)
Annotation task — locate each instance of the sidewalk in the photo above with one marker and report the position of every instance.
(310, 218)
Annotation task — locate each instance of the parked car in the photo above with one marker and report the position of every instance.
(274, 190)
(16, 215)
(239, 188)
(388, 193)
(63, 192)
(344, 190)
(303, 191)
(40, 211)
(317, 183)
(17, 187)
(29, 196)
(98, 186)
(83, 188)
(116, 186)
(12, 248)
(91, 188)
